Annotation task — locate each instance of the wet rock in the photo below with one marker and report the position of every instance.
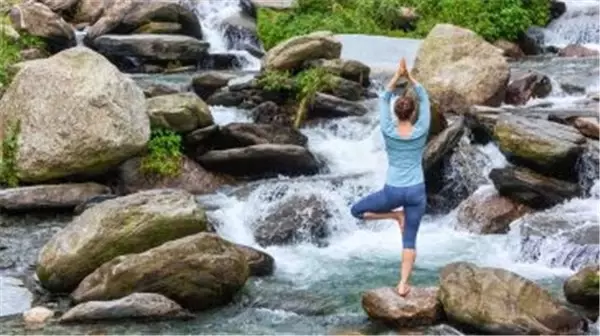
(109, 126)
(531, 41)
(564, 236)
(260, 263)
(443, 144)
(328, 106)
(129, 224)
(493, 300)
(420, 307)
(207, 83)
(557, 8)
(297, 219)
(345, 89)
(235, 135)
(588, 127)
(227, 98)
(50, 196)
(260, 161)
(38, 20)
(594, 95)
(135, 306)
(576, 50)
(509, 49)
(527, 86)
(201, 135)
(269, 113)
(486, 212)
(15, 297)
(191, 178)
(532, 189)
(152, 47)
(348, 69)
(159, 28)
(459, 69)
(180, 112)
(544, 146)
(37, 317)
(292, 53)
(124, 17)
(158, 89)
(221, 61)
(199, 272)
(582, 287)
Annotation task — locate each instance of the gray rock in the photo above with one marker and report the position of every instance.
(207, 83)
(155, 47)
(297, 219)
(328, 106)
(263, 160)
(135, 306)
(523, 87)
(443, 144)
(527, 187)
(50, 196)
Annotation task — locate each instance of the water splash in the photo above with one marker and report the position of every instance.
(579, 24)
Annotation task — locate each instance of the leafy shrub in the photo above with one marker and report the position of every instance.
(308, 83)
(10, 49)
(164, 154)
(492, 19)
(8, 157)
(276, 81)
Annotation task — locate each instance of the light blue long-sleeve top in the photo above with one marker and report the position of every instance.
(405, 154)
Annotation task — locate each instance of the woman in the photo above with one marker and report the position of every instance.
(404, 187)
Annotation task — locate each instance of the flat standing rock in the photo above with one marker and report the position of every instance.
(420, 307)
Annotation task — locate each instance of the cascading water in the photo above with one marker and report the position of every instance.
(580, 24)
(215, 16)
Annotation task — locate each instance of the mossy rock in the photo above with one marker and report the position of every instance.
(115, 227)
(582, 288)
(199, 272)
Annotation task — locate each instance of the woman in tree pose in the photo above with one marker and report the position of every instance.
(405, 185)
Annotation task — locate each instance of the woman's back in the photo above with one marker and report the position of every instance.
(405, 154)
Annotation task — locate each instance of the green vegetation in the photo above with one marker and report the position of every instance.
(8, 159)
(164, 154)
(302, 88)
(10, 48)
(492, 19)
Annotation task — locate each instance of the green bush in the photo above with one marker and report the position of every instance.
(492, 19)
(164, 154)
(276, 81)
(10, 49)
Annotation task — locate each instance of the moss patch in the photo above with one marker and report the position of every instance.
(8, 158)
(164, 155)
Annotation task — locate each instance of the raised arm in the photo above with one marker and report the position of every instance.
(421, 126)
(385, 114)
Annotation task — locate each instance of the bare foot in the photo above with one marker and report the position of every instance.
(403, 289)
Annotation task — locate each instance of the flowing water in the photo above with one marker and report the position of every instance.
(580, 24)
(316, 290)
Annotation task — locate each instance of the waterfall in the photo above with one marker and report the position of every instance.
(580, 24)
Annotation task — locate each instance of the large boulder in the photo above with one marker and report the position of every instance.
(38, 20)
(93, 120)
(134, 306)
(192, 178)
(152, 47)
(50, 196)
(115, 227)
(124, 17)
(419, 308)
(260, 161)
(180, 112)
(523, 87)
(292, 53)
(582, 287)
(297, 219)
(199, 272)
(496, 301)
(545, 146)
(460, 69)
(486, 212)
(532, 189)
